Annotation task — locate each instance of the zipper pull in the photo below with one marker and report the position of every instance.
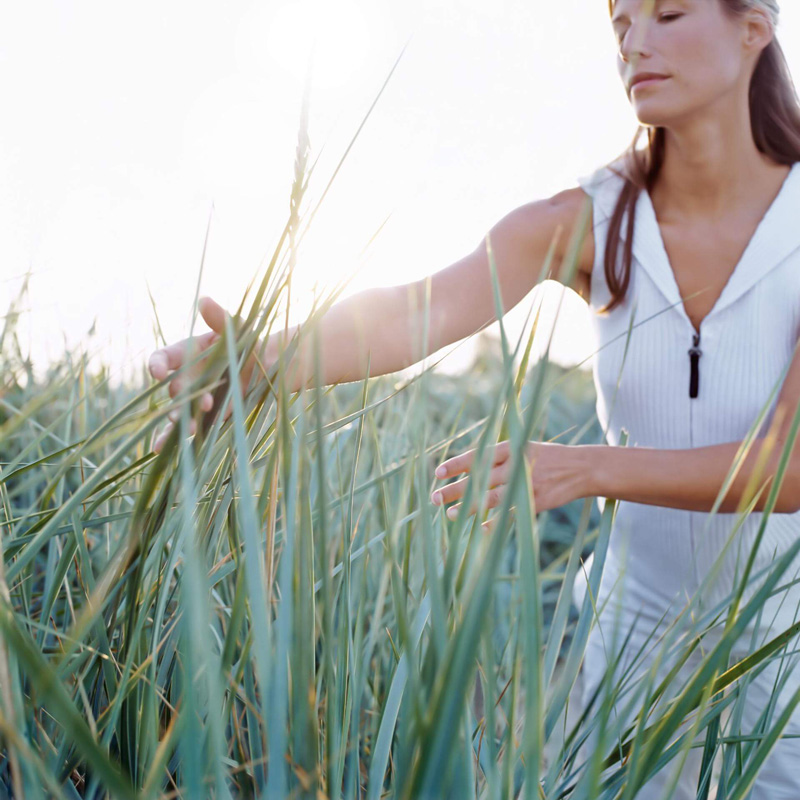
(694, 355)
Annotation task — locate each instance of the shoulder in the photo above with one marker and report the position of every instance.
(600, 189)
(603, 186)
(569, 208)
(550, 222)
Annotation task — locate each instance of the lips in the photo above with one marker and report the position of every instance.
(647, 77)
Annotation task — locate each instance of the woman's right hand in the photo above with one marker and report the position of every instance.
(168, 359)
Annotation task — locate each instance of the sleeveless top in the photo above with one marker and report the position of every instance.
(645, 378)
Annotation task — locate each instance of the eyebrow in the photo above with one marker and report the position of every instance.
(618, 17)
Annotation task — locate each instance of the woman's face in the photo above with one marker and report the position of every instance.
(700, 48)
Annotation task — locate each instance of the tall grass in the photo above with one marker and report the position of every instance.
(272, 608)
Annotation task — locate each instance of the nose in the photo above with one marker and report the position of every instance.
(635, 41)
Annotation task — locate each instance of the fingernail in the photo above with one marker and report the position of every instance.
(452, 513)
(436, 498)
(441, 472)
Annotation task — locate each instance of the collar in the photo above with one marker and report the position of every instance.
(775, 239)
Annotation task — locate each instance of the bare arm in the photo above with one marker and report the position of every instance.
(387, 324)
(384, 326)
(692, 478)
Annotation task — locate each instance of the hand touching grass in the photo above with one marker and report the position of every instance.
(168, 360)
(559, 474)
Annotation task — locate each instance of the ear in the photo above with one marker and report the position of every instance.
(758, 31)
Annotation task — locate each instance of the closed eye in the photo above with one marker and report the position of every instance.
(669, 17)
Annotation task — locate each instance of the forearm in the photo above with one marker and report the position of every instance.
(380, 328)
(691, 479)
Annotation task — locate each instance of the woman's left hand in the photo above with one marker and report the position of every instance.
(559, 473)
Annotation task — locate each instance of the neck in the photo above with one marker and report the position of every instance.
(712, 165)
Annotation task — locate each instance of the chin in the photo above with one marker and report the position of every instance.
(654, 114)
(651, 120)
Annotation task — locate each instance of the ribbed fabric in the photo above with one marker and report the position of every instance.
(641, 374)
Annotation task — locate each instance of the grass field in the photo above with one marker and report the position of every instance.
(273, 607)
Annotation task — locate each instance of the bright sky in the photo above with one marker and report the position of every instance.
(123, 124)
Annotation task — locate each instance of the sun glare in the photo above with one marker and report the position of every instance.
(338, 33)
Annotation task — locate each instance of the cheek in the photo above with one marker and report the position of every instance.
(705, 64)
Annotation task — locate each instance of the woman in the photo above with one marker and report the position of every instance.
(709, 236)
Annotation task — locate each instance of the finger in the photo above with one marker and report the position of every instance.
(450, 493)
(161, 439)
(172, 356)
(464, 462)
(490, 525)
(455, 491)
(228, 411)
(213, 314)
(176, 387)
(493, 499)
(175, 414)
(455, 465)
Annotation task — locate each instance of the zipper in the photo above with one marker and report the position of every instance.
(694, 387)
(694, 359)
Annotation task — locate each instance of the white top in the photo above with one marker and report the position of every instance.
(747, 343)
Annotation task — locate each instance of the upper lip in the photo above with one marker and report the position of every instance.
(643, 76)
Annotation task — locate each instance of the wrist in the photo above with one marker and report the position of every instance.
(268, 351)
(590, 467)
(295, 358)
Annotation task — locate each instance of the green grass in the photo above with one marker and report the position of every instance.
(273, 608)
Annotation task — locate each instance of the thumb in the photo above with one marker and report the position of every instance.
(213, 314)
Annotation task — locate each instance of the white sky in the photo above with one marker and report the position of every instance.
(122, 124)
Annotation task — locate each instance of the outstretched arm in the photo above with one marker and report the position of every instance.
(387, 324)
(384, 326)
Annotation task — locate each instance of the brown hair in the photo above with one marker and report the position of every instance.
(775, 120)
